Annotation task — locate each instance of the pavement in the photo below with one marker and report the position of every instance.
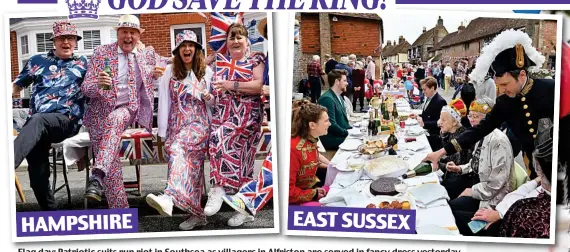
(153, 181)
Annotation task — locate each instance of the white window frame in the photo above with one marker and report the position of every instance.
(36, 38)
(202, 26)
(27, 43)
(82, 47)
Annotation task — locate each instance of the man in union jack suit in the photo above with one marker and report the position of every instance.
(118, 98)
(56, 105)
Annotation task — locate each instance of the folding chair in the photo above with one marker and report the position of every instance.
(55, 149)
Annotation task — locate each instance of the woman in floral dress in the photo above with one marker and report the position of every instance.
(183, 118)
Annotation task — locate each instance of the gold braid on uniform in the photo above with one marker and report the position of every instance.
(520, 55)
(527, 87)
(308, 197)
(456, 145)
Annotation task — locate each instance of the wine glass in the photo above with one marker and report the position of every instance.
(364, 130)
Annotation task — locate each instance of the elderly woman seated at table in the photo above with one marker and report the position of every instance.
(492, 161)
(450, 127)
(525, 212)
(310, 121)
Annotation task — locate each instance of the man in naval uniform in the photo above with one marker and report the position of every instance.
(524, 100)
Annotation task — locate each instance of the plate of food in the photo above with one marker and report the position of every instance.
(386, 166)
(372, 147)
(389, 202)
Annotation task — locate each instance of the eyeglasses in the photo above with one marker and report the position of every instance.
(471, 116)
(66, 37)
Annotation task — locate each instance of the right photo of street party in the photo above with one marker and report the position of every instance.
(418, 124)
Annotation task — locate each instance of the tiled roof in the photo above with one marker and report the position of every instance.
(483, 27)
(443, 41)
(387, 50)
(399, 48)
(424, 37)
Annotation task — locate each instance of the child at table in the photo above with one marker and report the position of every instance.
(310, 121)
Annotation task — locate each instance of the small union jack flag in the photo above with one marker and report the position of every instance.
(257, 193)
(233, 70)
(220, 23)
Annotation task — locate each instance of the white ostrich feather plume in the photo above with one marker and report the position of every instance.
(505, 40)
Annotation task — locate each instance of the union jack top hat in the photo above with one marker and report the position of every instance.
(63, 28)
(129, 21)
(186, 35)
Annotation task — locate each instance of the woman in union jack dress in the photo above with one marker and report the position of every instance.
(237, 117)
(183, 118)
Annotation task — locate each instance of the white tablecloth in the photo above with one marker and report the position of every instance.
(74, 149)
(440, 216)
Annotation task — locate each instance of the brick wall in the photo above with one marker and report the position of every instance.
(14, 56)
(347, 36)
(459, 51)
(548, 33)
(298, 73)
(311, 33)
(157, 33)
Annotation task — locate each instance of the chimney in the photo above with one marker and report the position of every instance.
(440, 22)
(424, 29)
(460, 28)
(401, 40)
(389, 43)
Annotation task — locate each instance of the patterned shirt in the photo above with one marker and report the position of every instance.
(56, 84)
(314, 69)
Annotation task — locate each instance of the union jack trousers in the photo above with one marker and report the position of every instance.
(257, 193)
(107, 150)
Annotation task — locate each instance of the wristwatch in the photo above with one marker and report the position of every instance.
(236, 85)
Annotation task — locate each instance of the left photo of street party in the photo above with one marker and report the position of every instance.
(142, 123)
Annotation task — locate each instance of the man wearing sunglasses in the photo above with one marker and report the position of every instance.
(523, 100)
(56, 106)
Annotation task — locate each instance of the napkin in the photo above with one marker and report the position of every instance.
(437, 203)
(346, 197)
(413, 146)
(340, 160)
(355, 132)
(431, 178)
(350, 144)
(428, 193)
(347, 181)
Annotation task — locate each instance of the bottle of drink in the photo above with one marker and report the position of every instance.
(423, 168)
(392, 140)
(371, 125)
(107, 70)
(394, 112)
(385, 114)
(377, 125)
